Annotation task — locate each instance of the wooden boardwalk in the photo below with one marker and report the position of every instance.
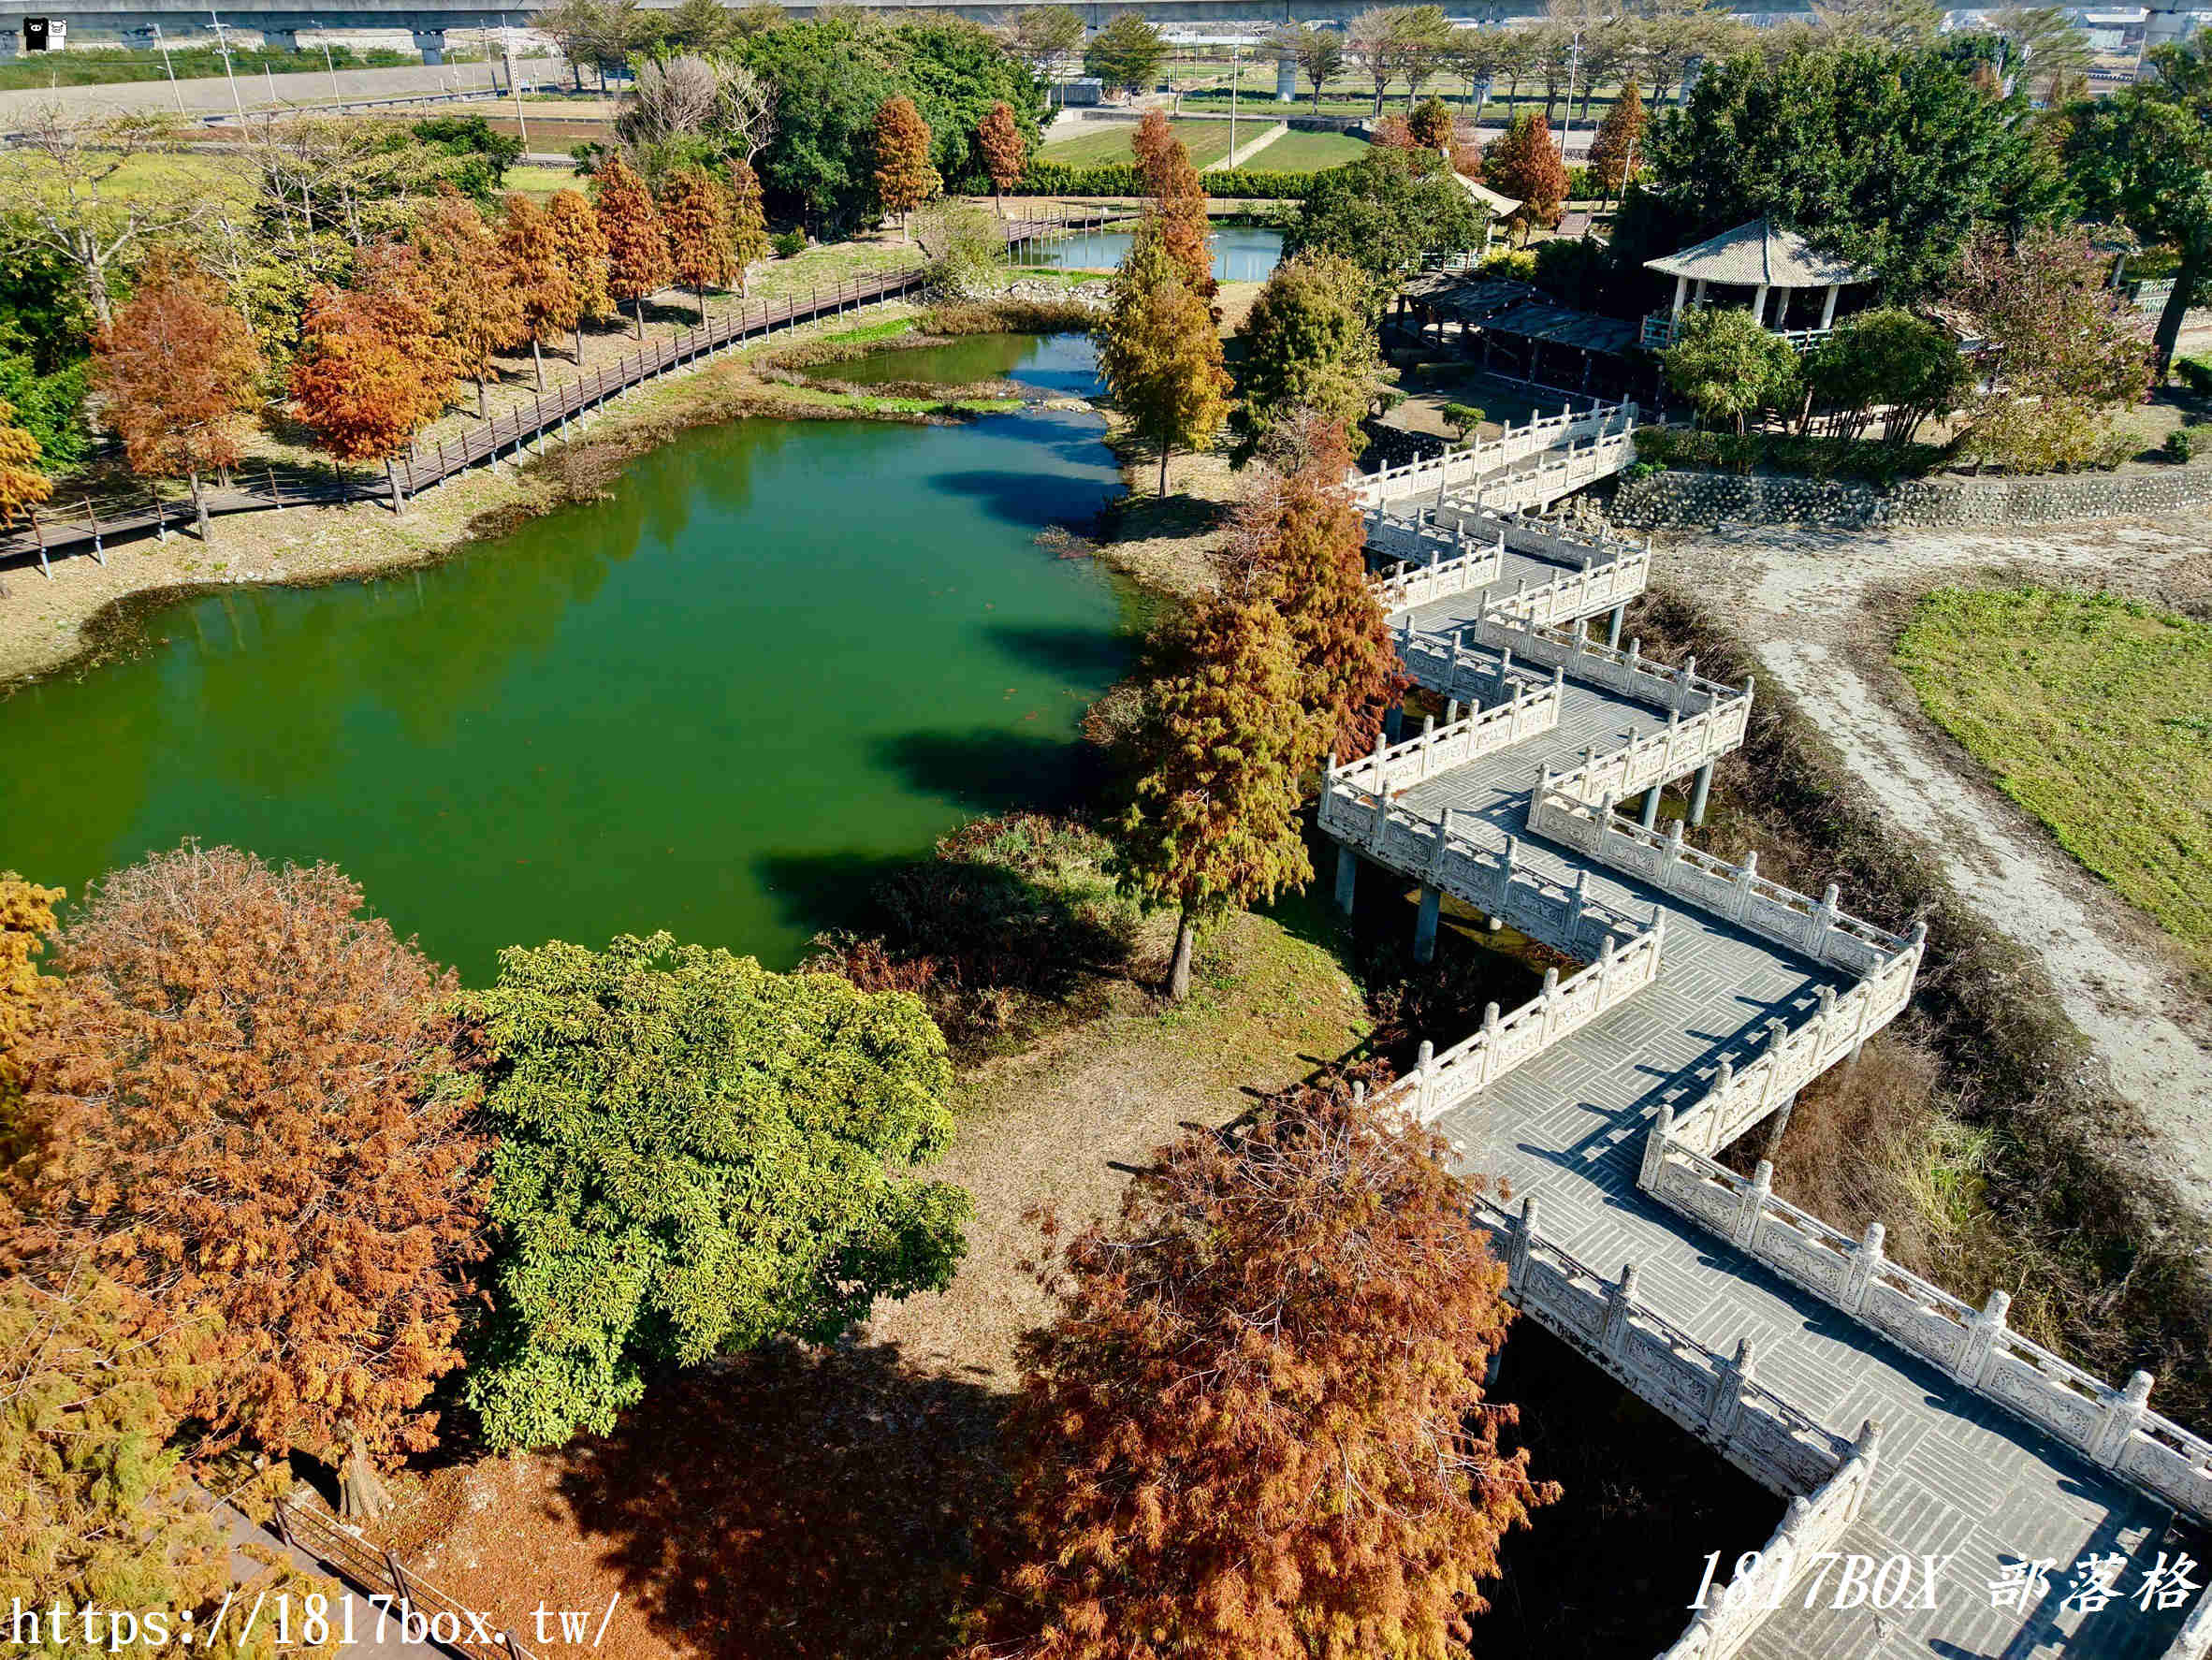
(90, 527)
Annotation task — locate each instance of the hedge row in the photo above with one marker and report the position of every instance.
(1863, 459)
(1051, 177)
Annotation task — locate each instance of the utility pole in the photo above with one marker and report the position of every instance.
(1236, 46)
(175, 90)
(336, 96)
(1574, 68)
(507, 52)
(223, 46)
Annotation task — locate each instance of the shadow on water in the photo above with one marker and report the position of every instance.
(1085, 653)
(986, 770)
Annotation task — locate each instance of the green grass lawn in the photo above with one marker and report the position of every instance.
(2095, 714)
(1308, 152)
(185, 178)
(104, 68)
(1206, 140)
(539, 183)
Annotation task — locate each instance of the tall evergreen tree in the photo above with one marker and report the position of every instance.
(1430, 124)
(1256, 1426)
(749, 226)
(1309, 345)
(637, 241)
(696, 210)
(904, 178)
(1215, 822)
(1159, 353)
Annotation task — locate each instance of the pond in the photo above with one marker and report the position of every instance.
(1242, 253)
(782, 658)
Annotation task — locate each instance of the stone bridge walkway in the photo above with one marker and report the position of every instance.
(1956, 1476)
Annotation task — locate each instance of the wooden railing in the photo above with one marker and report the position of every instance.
(419, 1611)
(425, 465)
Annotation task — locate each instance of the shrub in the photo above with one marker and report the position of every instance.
(2196, 374)
(2181, 444)
(1863, 459)
(1463, 418)
(787, 243)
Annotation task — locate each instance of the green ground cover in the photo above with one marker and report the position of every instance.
(1309, 153)
(106, 68)
(1206, 140)
(2094, 713)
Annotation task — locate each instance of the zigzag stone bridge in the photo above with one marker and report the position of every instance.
(1896, 1422)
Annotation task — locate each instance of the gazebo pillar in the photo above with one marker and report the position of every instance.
(1699, 295)
(1759, 306)
(1681, 293)
(1828, 306)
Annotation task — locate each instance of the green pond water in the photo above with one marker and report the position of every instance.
(783, 657)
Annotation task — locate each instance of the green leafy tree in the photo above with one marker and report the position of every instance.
(99, 1508)
(50, 407)
(1128, 52)
(695, 1155)
(1430, 124)
(749, 226)
(1256, 1426)
(1887, 158)
(1888, 362)
(1309, 343)
(1215, 822)
(1383, 213)
(2069, 352)
(2144, 156)
(1729, 367)
(480, 156)
(1159, 353)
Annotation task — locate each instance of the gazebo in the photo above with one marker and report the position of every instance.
(1763, 258)
(1495, 208)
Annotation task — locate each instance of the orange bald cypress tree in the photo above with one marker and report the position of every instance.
(373, 370)
(637, 241)
(696, 210)
(469, 286)
(1257, 1426)
(1298, 542)
(176, 370)
(904, 178)
(244, 1105)
(22, 487)
(584, 252)
(1005, 152)
(539, 266)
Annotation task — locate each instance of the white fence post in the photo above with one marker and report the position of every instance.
(1981, 1339)
(1865, 1262)
(1752, 1204)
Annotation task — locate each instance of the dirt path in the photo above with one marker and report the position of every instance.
(1822, 608)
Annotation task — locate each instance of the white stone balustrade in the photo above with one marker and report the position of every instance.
(1820, 928)
(1566, 918)
(1597, 587)
(1740, 1098)
(1439, 1083)
(1810, 1525)
(1439, 748)
(1561, 474)
(1449, 564)
(1543, 538)
(2113, 1428)
(1442, 664)
(1433, 474)
(1629, 671)
(1569, 807)
(1716, 1399)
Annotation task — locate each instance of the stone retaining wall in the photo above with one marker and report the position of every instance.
(1688, 500)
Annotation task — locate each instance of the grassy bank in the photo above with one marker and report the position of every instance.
(1977, 1131)
(2094, 713)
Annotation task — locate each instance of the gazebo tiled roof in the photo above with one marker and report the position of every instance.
(1760, 254)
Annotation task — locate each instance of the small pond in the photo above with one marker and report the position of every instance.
(1242, 253)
